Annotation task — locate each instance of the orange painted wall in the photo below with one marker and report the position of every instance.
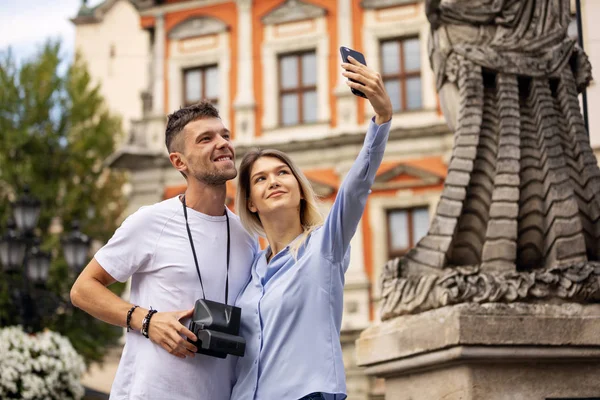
(358, 16)
(147, 21)
(226, 12)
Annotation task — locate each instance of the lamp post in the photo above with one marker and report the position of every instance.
(27, 266)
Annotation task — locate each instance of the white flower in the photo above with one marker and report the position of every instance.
(40, 366)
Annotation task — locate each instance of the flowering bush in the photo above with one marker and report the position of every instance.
(39, 366)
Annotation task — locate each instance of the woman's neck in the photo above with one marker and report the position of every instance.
(281, 230)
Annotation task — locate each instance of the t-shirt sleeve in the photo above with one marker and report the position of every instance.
(131, 248)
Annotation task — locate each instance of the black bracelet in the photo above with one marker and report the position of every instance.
(129, 317)
(146, 322)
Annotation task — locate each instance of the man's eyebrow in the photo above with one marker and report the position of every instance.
(223, 131)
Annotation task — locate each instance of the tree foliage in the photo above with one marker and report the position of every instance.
(55, 134)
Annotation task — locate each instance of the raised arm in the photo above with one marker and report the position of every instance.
(342, 221)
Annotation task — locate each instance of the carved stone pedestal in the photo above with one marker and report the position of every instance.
(487, 352)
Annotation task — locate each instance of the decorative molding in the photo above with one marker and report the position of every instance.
(375, 4)
(336, 141)
(293, 10)
(197, 26)
(406, 290)
(409, 170)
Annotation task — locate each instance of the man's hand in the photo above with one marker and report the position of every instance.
(166, 331)
(371, 84)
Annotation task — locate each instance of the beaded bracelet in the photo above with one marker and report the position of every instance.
(129, 317)
(146, 322)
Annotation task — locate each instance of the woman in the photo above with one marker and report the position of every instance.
(292, 306)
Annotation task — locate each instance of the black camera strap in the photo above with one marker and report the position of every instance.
(194, 251)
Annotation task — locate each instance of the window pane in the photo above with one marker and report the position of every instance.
(288, 72)
(398, 226)
(309, 106)
(393, 89)
(193, 86)
(420, 224)
(289, 109)
(211, 82)
(390, 57)
(413, 93)
(412, 55)
(309, 69)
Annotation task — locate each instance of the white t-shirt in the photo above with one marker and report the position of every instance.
(152, 247)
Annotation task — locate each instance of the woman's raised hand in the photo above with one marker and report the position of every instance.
(371, 84)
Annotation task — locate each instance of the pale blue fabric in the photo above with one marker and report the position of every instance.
(292, 309)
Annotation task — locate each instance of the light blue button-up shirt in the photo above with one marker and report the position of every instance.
(292, 308)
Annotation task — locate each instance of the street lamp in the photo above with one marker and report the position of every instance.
(27, 265)
(76, 246)
(12, 248)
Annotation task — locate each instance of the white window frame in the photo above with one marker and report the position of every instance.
(379, 207)
(273, 46)
(376, 31)
(219, 55)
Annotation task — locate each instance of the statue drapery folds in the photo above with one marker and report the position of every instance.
(519, 215)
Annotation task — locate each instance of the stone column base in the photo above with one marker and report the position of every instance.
(490, 351)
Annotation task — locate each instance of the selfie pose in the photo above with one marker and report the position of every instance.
(167, 249)
(292, 305)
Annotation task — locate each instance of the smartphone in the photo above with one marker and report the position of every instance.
(345, 52)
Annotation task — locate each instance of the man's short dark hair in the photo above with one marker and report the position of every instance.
(180, 118)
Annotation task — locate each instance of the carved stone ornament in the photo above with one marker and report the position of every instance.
(199, 26)
(293, 10)
(519, 214)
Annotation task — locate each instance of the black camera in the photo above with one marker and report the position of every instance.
(217, 327)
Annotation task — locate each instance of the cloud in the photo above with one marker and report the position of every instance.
(27, 24)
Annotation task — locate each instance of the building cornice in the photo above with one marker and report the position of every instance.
(139, 158)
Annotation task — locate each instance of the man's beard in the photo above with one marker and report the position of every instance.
(216, 178)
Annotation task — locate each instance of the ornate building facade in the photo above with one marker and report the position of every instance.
(272, 67)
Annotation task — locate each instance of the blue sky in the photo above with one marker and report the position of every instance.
(26, 24)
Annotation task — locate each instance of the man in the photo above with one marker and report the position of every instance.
(154, 249)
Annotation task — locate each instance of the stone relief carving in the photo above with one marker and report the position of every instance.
(293, 10)
(199, 26)
(519, 215)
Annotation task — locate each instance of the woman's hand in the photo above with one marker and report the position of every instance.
(371, 84)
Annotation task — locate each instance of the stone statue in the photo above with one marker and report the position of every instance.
(519, 215)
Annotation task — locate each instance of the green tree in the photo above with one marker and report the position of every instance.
(55, 134)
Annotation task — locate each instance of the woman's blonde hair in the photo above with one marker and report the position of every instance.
(310, 216)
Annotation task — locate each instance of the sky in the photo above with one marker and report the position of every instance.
(26, 24)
